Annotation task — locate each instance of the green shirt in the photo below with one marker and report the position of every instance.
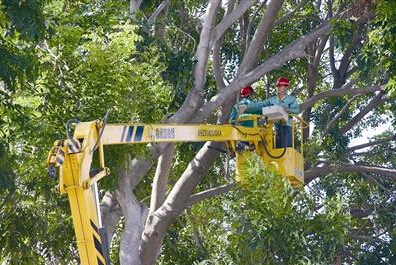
(234, 112)
(289, 102)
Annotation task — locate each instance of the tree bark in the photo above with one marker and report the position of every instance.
(159, 221)
(158, 11)
(257, 43)
(315, 54)
(158, 193)
(339, 92)
(217, 60)
(230, 19)
(195, 198)
(130, 174)
(251, 23)
(134, 6)
(111, 213)
(194, 98)
(161, 13)
(371, 143)
(135, 216)
(317, 171)
(294, 50)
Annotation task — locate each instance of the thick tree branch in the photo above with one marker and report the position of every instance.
(190, 178)
(320, 50)
(203, 49)
(160, 181)
(315, 53)
(136, 170)
(195, 198)
(111, 213)
(370, 152)
(333, 68)
(294, 50)
(371, 143)
(228, 20)
(217, 69)
(130, 174)
(159, 221)
(351, 83)
(134, 6)
(376, 101)
(135, 216)
(244, 26)
(339, 92)
(256, 45)
(251, 23)
(217, 65)
(195, 96)
(317, 171)
(155, 14)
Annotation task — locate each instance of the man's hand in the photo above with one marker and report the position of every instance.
(241, 109)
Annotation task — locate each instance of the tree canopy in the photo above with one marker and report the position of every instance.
(184, 62)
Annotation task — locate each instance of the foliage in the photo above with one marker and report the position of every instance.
(77, 59)
(264, 222)
(86, 67)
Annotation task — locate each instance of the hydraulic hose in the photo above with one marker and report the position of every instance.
(102, 129)
(264, 143)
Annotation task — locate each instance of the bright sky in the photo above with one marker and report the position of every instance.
(370, 133)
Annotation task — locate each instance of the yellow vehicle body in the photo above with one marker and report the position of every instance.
(289, 162)
(73, 157)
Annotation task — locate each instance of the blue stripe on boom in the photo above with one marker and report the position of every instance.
(94, 227)
(61, 152)
(60, 161)
(98, 245)
(139, 133)
(123, 134)
(129, 135)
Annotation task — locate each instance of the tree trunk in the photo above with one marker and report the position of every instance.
(134, 6)
(159, 221)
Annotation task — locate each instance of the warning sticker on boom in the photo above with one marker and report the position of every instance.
(209, 133)
(165, 133)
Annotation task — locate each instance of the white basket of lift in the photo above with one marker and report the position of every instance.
(275, 113)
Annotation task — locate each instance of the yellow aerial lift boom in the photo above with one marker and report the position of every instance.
(74, 155)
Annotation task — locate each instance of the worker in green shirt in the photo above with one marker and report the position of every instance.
(246, 95)
(289, 103)
(244, 156)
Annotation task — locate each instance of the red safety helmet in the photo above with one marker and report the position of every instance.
(283, 81)
(246, 91)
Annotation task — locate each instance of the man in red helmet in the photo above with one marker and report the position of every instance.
(246, 95)
(243, 156)
(289, 103)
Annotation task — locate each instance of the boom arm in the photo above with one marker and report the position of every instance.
(74, 158)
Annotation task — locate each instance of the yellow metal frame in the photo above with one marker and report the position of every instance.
(74, 159)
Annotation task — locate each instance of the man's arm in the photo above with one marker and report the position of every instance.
(233, 114)
(294, 107)
(256, 108)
